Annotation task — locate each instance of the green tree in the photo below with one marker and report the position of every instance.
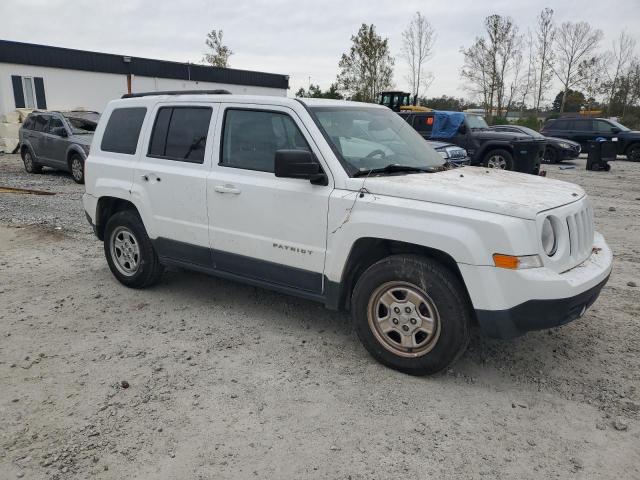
(572, 102)
(445, 103)
(368, 67)
(315, 91)
(218, 54)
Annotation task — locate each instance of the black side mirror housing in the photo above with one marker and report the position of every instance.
(299, 164)
(60, 131)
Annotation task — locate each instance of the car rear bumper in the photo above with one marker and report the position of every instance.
(509, 303)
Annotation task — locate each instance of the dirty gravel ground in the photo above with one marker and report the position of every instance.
(229, 381)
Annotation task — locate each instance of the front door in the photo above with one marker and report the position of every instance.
(262, 227)
(170, 180)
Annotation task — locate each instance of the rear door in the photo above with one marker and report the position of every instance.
(582, 131)
(54, 144)
(262, 227)
(170, 177)
(36, 138)
(423, 124)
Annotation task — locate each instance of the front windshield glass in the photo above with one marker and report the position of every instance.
(530, 131)
(476, 122)
(620, 126)
(81, 125)
(372, 138)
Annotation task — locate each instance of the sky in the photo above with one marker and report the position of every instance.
(302, 39)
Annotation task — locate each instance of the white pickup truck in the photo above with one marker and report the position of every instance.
(343, 203)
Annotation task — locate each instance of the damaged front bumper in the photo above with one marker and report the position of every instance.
(510, 303)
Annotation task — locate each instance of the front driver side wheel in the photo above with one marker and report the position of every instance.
(500, 159)
(411, 313)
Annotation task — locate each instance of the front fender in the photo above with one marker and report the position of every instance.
(466, 235)
(73, 148)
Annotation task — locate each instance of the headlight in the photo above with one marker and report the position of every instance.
(548, 237)
(443, 153)
(564, 145)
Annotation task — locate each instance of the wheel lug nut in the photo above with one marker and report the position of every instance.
(395, 321)
(396, 309)
(413, 321)
(405, 328)
(407, 309)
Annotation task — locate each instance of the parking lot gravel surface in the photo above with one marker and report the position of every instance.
(205, 378)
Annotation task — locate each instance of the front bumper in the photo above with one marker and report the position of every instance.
(568, 153)
(509, 303)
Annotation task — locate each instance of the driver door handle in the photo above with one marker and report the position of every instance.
(227, 189)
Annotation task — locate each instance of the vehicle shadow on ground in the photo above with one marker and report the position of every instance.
(536, 353)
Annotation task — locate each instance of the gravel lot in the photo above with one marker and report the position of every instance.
(204, 378)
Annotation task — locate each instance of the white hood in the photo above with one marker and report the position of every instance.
(507, 193)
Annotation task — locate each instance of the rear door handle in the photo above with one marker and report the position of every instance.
(227, 189)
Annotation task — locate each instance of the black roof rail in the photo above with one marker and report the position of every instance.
(177, 92)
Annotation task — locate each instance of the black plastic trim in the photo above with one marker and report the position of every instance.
(536, 314)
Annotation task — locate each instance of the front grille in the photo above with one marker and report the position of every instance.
(457, 153)
(581, 231)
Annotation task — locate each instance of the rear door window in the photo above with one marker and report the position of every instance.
(40, 123)
(123, 130)
(180, 133)
(581, 125)
(423, 123)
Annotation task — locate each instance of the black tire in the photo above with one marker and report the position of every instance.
(148, 270)
(76, 167)
(633, 153)
(551, 155)
(30, 164)
(504, 155)
(441, 287)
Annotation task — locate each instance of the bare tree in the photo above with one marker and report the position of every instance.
(417, 48)
(574, 42)
(545, 35)
(488, 62)
(591, 74)
(529, 85)
(218, 55)
(621, 56)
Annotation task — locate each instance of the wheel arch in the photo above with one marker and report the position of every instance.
(368, 250)
(496, 146)
(106, 208)
(72, 150)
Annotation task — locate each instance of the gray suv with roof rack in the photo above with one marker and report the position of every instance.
(59, 140)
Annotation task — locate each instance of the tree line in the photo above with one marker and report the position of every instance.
(504, 69)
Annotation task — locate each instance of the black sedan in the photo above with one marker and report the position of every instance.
(557, 149)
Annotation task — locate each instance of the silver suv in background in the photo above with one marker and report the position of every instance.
(59, 140)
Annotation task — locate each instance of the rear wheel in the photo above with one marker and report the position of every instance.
(633, 153)
(411, 314)
(30, 164)
(500, 159)
(550, 155)
(129, 252)
(76, 164)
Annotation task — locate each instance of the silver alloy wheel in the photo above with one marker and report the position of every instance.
(403, 319)
(76, 168)
(497, 161)
(28, 161)
(125, 251)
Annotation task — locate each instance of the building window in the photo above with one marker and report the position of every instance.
(29, 92)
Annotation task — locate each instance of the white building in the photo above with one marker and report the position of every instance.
(54, 78)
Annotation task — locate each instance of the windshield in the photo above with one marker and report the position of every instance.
(373, 138)
(476, 122)
(620, 126)
(530, 131)
(81, 125)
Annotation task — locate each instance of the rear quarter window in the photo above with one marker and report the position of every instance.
(123, 130)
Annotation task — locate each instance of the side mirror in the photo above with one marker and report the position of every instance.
(60, 131)
(462, 129)
(299, 164)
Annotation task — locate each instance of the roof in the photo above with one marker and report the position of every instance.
(328, 102)
(58, 57)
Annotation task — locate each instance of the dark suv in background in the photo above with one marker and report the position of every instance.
(503, 150)
(59, 140)
(585, 130)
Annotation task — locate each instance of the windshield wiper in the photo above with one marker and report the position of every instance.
(392, 168)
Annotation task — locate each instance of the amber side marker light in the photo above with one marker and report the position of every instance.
(512, 262)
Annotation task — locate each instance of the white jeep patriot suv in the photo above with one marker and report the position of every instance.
(346, 204)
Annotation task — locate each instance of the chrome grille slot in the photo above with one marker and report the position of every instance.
(580, 225)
